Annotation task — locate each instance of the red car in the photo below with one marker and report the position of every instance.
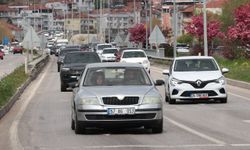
(18, 49)
(1, 54)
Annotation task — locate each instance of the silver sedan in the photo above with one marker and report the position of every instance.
(116, 95)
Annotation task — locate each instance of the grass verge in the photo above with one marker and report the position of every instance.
(239, 69)
(10, 84)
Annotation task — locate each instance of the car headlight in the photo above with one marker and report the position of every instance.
(221, 80)
(175, 81)
(65, 69)
(88, 101)
(145, 62)
(151, 100)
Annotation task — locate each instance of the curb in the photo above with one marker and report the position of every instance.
(36, 69)
(237, 83)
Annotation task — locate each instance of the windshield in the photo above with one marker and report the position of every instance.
(133, 54)
(116, 76)
(81, 58)
(195, 65)
(109, 51)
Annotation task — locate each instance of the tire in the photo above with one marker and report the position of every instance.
(63, 87)
(158, 128)
(172, 101)
(79, 128)
(223, 100)
(166, 97)
(58, 68)
(72, 124)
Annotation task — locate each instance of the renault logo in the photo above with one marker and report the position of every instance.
(198, 83)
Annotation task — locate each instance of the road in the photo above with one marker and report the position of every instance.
(9, 63)
(40, 120)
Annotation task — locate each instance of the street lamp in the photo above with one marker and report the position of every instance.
(205, 28)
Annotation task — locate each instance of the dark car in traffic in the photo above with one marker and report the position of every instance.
(73, 65)
(62, 54)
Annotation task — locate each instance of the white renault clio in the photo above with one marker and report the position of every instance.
(195, 78)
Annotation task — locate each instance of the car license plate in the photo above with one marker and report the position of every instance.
(199, 95)
(121, 111)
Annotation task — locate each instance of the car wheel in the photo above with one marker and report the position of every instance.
(63, 87)
(166, 97)
(78, 127)
(72, 124)
(171, 101)
(223, 100)
(58, 68)
(158, 128)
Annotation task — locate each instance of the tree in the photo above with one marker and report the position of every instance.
(227, 16)
(5, 31)
(195, 28)
(240, 31)
(137, 33)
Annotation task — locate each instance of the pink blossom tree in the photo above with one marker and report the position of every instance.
(195, 28)
(137, 33)
(240, 31)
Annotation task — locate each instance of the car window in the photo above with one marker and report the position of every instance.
(133, 54)
(195, 65)
(115, 76)
(81, 58)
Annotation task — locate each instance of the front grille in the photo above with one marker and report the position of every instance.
(115, 101)
(120, 117)
(198, 86)
(188, 93)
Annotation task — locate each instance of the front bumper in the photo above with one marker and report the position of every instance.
(186, 91)
(98, 116)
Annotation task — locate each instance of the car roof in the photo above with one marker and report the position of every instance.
(113, 64)
(193, 57)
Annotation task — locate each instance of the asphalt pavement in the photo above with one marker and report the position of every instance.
(40, 120)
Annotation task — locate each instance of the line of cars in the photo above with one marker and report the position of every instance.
(15, 47)
(110, 94)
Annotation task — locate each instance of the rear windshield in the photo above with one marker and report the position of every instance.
(81, 58)
(109, 51)
(133, 54)
(101, 47)
(65, 51)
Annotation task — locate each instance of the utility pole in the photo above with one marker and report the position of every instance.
(146, 7)
(175, 27)
(88, 19)
(205, 28)
(109, 20)
(150, 19)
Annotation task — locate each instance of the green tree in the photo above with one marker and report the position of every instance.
(185, 38)
(227, 16)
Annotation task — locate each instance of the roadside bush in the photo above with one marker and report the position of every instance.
(10, 84)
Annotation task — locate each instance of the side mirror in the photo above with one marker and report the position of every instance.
(224, 70)
(115, 54)
(165, 72)
(159, 82)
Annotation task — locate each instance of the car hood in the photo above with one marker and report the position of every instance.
(118, 90)
(195, 75)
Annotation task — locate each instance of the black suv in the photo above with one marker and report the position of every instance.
(73, 65)
(62, 54)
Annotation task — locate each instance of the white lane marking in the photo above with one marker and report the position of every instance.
(135, 146)
(243, 97)
(247, 121)
(15, 142)
(240, 145)
(186, 128)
